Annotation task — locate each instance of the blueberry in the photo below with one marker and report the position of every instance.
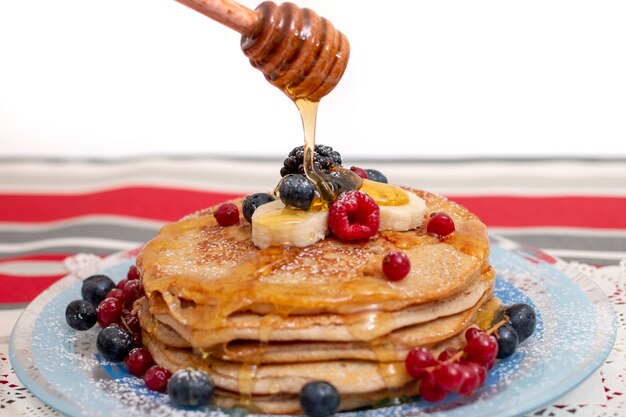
(254, 201)
(507, 341)
(319, 399)
(190, 388)
(96, 287)
(375, 175)
(296, 190)
(522, 318)
(81, 315)
(114, 343)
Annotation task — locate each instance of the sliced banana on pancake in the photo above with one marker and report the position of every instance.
(275, 224)
(400, 210)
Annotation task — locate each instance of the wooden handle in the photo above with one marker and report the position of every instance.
(226, 12)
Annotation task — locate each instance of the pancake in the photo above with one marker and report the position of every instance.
(264, 322)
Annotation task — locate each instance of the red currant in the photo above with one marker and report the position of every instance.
(109, 312)
(483, 349)
(114, 293)
(354, 216)
(227, 215)
(156, 378)
(440, 224)
(396, 265)
(417, 360)
(446, 354)
(131, 322)
(133, 273)
(131, 292)
(448, 376)
(138, 361)
(472, 333)
(480, 371)
(359, 171)
(469, 379)
(430, 391)
(121, 284)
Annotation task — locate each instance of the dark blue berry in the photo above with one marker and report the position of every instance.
(507, 341)
(114, 343)
(190, 388)
(96, 287)
(297, 191)
(344, 180)
(254, 201)
(375, 175)
(81, 315)
(319, 399)
(522, 318)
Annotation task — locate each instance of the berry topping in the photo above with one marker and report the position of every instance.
(81, 315)
(396, 265)
(507, 341)
(472, 333)
(448, 376)
(324, 158)
(359, 171)
(417, 360)
(483, 349)
(254, 201)
(470, 380)
(319, 399)
(440, 224)
(131, 323)
(296, 190)
(114, 343)
(430, 390)
(114, 293)
(109, 311)
(139, 360)
(120, 285)
(190, 388)
(522, 318)
(375, 175)
(131, 292)
(446, 354)
(133, 273)
(96, 287)
(479, 370)
(354, 216)
(227, 215)
(156, 378)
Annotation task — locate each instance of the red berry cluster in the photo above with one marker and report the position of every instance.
(354, 215)
(453, 372)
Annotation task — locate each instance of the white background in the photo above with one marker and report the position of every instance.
(437, 79)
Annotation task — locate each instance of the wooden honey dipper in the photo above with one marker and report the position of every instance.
(298, 51)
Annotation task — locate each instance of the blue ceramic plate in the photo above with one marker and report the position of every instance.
(574, 335)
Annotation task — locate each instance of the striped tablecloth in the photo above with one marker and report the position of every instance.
(52, 209)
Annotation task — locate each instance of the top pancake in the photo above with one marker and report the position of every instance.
(197, 262)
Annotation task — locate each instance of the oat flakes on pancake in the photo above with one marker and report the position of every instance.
(364, 326)
(197, 262)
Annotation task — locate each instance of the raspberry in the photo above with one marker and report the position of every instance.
(354, 216)
(440, 224)
(227, 215)
(396, 265)
(359, 171)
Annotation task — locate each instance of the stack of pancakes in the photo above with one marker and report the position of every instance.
(263, 323)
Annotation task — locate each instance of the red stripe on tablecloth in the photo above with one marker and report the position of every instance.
(514, 211)
(23, 289)
(143, 202)
(37, 257)
(170, 204)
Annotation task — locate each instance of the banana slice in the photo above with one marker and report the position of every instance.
(400, 210)
(275, 224)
